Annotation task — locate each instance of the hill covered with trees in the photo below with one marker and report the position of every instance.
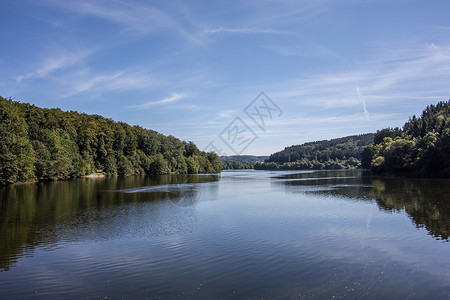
(420, 148)
(240, 161)
(340, 153)
(49, 144)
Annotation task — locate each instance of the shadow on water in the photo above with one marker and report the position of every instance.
(32, 215)
(426, 201)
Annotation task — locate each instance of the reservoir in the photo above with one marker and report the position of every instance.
(241, 234)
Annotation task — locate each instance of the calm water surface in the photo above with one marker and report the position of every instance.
(237, 235)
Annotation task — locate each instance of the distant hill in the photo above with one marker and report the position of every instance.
(420, 148)
(240, 161)
(243, 158)
(339, 153)
(50, 144)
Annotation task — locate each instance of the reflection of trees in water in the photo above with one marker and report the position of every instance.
(426, 201)
(183, 190)
(32, 214)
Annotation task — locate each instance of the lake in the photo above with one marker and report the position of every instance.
(236, 235)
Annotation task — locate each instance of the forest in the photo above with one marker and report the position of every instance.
(420, 148)
(340, 153)
(51, 144)
(240, 161)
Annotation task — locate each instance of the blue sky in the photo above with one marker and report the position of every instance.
(190, 68)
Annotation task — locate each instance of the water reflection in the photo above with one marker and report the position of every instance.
(32, 215)
(162, 237)
(426, 201)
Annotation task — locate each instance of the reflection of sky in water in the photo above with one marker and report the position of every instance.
(163, 188)
(266, 234)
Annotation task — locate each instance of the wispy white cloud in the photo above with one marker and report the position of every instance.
(135, 17)
(248, 31)
(273, 17)
(140, 17)
(382, 80)
(325, 120)
(306, 49)
(227, 113)
(171, 99)
(94, 83)
(85, 81)
(284, 13)
(55, 62)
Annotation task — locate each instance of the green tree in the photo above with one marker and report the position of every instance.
(421, 148)
(17, 156)
(44, 163)
(399, 155)
(159, 165)
(192, 165)
(40, 143)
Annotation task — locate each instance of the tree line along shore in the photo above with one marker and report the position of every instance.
(50, 144)
(41, 144)
(420, 148)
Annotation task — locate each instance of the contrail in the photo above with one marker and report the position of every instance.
(358, 93)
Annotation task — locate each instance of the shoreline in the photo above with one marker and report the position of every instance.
(94, 175)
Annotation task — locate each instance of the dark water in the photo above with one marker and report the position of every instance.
(238, 235)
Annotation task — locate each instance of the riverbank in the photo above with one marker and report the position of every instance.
(94, 175)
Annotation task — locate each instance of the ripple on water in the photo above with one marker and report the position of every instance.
(263, 237)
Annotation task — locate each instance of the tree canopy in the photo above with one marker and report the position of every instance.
(421, 147)
(49, 144)
(340, 153)
(240, 161)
